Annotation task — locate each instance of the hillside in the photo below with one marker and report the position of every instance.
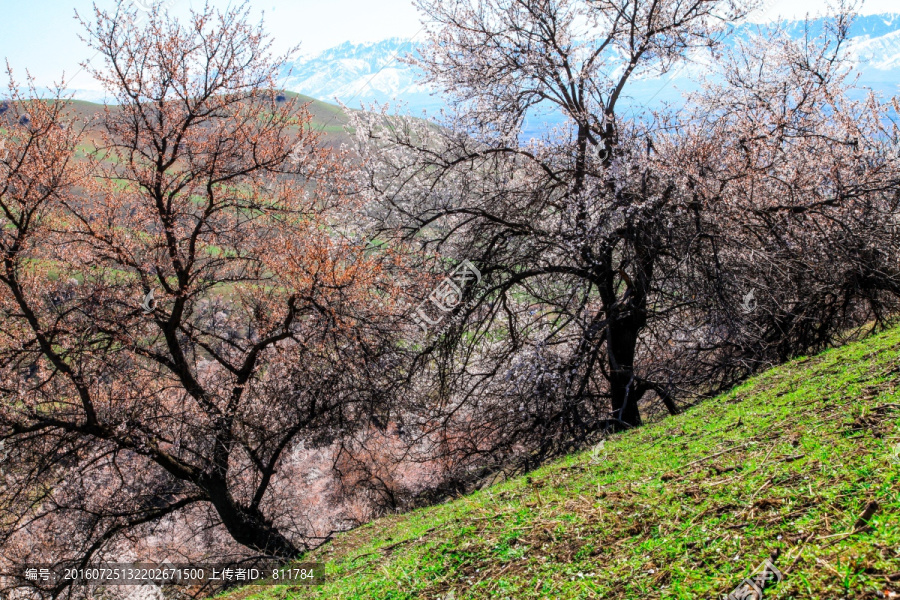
(330, 119)
(788, 462)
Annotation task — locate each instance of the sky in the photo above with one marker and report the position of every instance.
(43, 35)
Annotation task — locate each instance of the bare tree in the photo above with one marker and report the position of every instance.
(564, 217)
(182, 307)
(618, 254)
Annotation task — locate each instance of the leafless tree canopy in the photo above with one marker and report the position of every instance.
(181, 308)
(630, 259)
(186, 302)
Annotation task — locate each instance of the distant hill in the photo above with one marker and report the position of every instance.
(329, 118)
(801, 463)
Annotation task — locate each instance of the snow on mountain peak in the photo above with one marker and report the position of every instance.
(372, 72)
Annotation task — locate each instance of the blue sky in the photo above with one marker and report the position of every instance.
(42, 35)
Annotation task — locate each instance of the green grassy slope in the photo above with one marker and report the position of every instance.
(684, 508)
(326, 117)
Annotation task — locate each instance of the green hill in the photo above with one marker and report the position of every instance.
(684, 508)
(326, 117)
(330, 119)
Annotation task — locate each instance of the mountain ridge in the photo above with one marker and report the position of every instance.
(372, 72)
(360, 75)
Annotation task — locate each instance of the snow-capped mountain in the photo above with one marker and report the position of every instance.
(363, 74)
(358, 74)
(878, 55)
(873, 48)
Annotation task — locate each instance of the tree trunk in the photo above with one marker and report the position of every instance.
(667, 401)
(625, 401)
(247, 526)
(624, 389)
